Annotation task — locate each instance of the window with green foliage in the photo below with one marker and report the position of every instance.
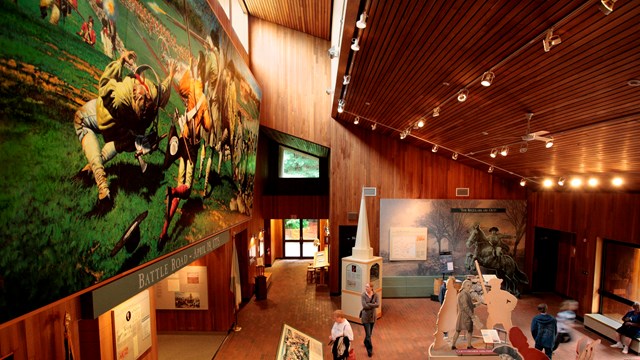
(296, 164)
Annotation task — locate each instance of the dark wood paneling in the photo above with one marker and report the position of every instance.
(590, 216)
(302, 207)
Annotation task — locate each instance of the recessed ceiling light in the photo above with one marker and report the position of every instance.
(617, 181)
(633, 82)
(575, 182)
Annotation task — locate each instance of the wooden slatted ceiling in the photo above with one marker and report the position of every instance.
(311, 17)
(578, 91)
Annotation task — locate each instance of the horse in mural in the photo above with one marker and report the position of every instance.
(492, 253)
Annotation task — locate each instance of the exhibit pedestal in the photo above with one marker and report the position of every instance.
(476, 354)
(355, 274)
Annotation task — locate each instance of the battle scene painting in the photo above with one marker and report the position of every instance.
(129, 129)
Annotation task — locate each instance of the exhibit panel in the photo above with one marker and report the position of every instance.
(356, 273)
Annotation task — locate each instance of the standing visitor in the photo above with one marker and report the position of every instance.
(543, 329)
(370, 303)
(341, 336)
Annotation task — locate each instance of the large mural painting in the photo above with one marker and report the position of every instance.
(128, 130)
(457, 232)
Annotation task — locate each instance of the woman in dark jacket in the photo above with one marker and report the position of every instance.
(368, 314)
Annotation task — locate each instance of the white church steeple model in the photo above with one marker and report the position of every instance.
(363, 249)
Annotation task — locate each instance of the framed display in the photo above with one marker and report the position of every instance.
(297, 345)
(132, 327)
(354, 277)
(407, 243)
(184, 290)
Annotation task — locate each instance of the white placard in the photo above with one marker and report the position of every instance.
(407, 243)
(131, 327)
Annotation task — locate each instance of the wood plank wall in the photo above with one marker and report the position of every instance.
(294, 70)
(589, 215)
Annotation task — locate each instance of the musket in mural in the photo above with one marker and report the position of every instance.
(129, 130)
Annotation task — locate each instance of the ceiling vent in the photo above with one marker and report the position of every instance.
(462, 191)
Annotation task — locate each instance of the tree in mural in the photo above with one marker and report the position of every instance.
(458, 228)
(516, 214)
(438, 222)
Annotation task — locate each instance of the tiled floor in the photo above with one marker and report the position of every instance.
(405, 330)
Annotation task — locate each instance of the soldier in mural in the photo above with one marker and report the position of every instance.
(125, 108)
(197, 120)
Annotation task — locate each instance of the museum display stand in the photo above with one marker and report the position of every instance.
(356, 273)
(359, 269)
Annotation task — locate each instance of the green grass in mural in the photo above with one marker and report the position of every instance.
(53, 241)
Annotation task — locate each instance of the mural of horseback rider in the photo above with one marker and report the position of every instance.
(492, 253)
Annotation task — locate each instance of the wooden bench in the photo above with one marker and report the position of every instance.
(606, 327)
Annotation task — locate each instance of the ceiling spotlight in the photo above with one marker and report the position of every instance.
(617, 181)
(561, 181)
(494, 153)
(487, 78)
(362, 23)
(547, 183)
(462, 95)
(434, 148)
(354, 44)
(550, 40)
(575, 182)
(524, 147)
(548, 143)
(523, 182)
(504, 151)
(374, 126)
(403, 135)
(454, 156)
(356, 121)
(436, 111)
(346, 79)
(490, 169)
(340, 106)
(420, 123)
(606, 6)
(592, 182)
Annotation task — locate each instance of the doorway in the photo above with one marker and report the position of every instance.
(554, 262)
(346, 240)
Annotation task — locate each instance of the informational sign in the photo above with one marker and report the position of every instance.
(184, 290)
(320, 259)
(132, 327)
(354, 277)
(407, 243)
